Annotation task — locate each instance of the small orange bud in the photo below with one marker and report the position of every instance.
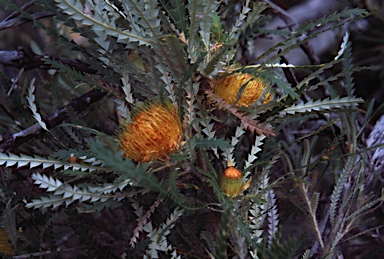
(231, 181)
(153, 133)
(228, 87)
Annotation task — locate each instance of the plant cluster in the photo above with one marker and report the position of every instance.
(150, 139)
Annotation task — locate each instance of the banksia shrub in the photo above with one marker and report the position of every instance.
(153, 133)
(59, 151)
(228, 87)
(231, 181)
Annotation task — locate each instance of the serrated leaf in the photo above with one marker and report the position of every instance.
(73, 193)
(158, 236)
(177, 12)
(23, 160)
(343, 45)
(320, 105)
(252, 155)
(338, 187)
(104, 25)
(32, 105)
(45, 202)
(206, 23)
(246, 18)
(338, 19)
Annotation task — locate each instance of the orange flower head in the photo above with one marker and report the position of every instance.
(231, 181)
(153, 133)
(227, 88)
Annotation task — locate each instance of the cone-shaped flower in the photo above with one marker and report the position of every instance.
(231, 181)
(153, 133)
(228, 87)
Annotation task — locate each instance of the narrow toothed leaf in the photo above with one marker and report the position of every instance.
(319, 105)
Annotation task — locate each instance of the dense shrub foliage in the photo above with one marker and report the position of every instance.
(152, 129)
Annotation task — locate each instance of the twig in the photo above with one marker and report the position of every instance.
(24, 7)
(11, 141)
(14, 22)
(292, 23)
(46, 253)
(248, 123)
(15, 81)
(282, 13)
(288, 72)
(21, 59)
(33, 254)
(312, 214)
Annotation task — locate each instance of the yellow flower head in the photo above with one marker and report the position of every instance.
(153, 133)
(231, 183)
(228, 87)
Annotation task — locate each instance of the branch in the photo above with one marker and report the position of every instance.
(11, 141)
(14, 22)
(248, 123)
(22, 8)
(308, 52)
(293, 24)
(282, 13)
(21, 59)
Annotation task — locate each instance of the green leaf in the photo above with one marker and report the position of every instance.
(206, 23)
(177, 12)
(248, 16)
(137, 174)
(274, 79)
(173, 54)
(217, 28)
(196, 11)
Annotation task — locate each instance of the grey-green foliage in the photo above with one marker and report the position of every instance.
(206, 23)
(64, 193)
(102, 17)
(158, 236)
(142, 219)
(32, 105)
(273, 217)
(350, 201)
(326, 104)
(350, 210)
(347, 205)
(31, 162)
(342, 179)
(293, 40)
